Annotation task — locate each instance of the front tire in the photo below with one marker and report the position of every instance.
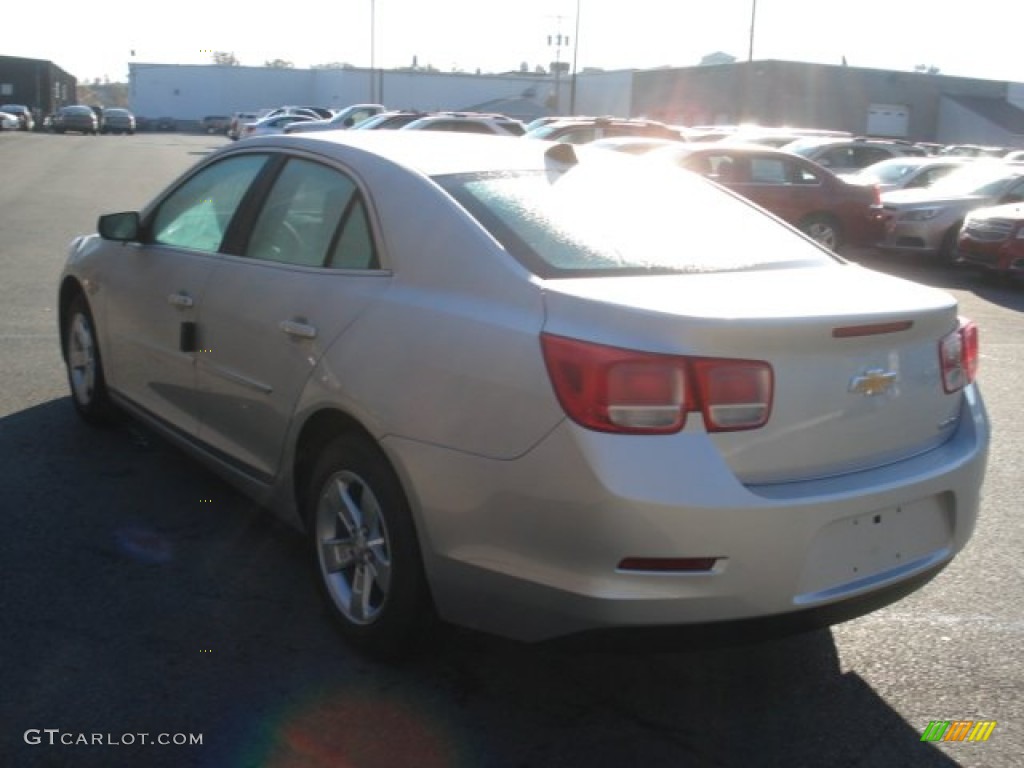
(85, 365)
(365, 549)
(947, 249)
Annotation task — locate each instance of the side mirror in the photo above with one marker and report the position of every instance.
(123, 227)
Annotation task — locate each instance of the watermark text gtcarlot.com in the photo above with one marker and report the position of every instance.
(55, 736)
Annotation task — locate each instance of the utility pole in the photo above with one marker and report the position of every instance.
(558, 40)
(373, 51)
(575, 51)
(753, 18)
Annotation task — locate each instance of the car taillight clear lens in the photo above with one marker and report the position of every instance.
(958, 356)
(610, 389)
(735, 394)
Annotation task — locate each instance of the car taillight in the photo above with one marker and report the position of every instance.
(610, 389)
(958, 356)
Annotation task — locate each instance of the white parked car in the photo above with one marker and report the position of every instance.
(9, 122)
(492, 388)
(268, 126)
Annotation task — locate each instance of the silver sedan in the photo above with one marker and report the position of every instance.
(534, 389)
(928, 220)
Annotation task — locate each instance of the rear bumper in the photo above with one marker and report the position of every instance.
(530, 548)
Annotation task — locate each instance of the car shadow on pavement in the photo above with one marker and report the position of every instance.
(146, 596)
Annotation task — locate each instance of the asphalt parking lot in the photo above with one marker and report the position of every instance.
(144, 600)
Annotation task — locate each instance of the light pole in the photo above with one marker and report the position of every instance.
(753, 17)
(373, 51)
(575, 51)
(557, 40)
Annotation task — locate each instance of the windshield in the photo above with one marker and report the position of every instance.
(627, 217)
(804, 147)
(985, 180)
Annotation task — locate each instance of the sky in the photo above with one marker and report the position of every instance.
(91, 41)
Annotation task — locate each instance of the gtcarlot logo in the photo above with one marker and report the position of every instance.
(56, 737)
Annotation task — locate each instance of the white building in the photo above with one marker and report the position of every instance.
(190, 92)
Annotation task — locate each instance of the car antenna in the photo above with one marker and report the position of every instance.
(562, 153)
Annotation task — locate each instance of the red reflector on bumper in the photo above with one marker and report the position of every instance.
(668, 564)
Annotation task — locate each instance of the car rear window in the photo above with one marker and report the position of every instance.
(629, 217)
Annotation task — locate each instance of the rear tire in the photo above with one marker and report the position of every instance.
(824, 230)
(364, 549)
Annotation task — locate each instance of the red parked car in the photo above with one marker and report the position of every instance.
(801, 192)
(993, 239)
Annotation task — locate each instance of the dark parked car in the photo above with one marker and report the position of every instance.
(811, 198)
(215, 124)
(78, 118)
(117, 120)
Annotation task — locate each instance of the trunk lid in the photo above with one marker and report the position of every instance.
(854, 354)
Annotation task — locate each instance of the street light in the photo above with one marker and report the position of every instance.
(373, 52)
(753, 16)
(575, 51)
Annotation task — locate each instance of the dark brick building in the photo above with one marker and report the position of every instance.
(41, 85)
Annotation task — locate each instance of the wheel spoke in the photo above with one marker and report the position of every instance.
(349, 513)
(362, 593)
(337, 554)
(381, 572)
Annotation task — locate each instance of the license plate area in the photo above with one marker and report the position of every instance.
(856, 553)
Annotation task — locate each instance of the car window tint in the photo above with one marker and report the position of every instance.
(804, 175)
(579, 223)
(196, 215)
(865, 156)
(768, 170)
(837, 158)
(354, 247)
(301, 214)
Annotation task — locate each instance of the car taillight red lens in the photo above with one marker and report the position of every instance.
(958, 356)
(610, 389)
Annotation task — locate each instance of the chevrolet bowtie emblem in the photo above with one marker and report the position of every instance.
(873, 382)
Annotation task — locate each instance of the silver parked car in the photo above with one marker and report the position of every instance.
(346, 118)
(907, 172)
(928, 220)
(492, 388)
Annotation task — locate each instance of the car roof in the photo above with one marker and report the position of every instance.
(431, 153)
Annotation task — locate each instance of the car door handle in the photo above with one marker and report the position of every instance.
(182, 300)
(298, 329)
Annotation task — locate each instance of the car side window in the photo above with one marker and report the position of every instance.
(865, 156)
(768, 170)
(803, 175)
(313, 211)
(1015, 194)
(353, 245)
(840, 157)
(196, 215)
